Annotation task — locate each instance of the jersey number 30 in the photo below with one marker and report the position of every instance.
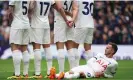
(88, 8)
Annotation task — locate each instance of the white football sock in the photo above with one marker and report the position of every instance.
(70, 76)
(77, 57)
(49, 57)
(57, 75)
(26, 59)
(17, 61)
(61, 59)
(88, 55)
(71, 58)
(37, 61)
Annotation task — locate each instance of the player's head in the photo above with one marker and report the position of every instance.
(111, 48)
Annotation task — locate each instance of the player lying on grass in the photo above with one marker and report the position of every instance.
(102, 65)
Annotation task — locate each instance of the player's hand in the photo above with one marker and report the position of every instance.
(70, 24)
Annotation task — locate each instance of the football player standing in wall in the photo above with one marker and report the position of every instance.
(84, 28)
(19, 35)
(63, 34)
(40, 32)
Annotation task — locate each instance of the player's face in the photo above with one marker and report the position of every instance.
(108, 49)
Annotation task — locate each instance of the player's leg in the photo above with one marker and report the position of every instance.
(88, 52)
(77, 54)
(16, 56)
(70, 46)
(70, 50)
(79, 37)
(15, 36)
(60, 56)
(25, 53)
(59, 39)
(37, 58)
(70, 75)
(48, 56)
(26, 60)
(35, 38)
(88, 42)
(46, 46)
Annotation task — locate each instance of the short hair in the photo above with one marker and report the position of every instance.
(114, 46)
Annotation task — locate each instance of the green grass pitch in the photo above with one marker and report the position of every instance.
(125, 69)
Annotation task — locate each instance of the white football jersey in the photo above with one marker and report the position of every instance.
(20, 18)
(85, 18)
(102, 63)
(39, 17)
(67, 5)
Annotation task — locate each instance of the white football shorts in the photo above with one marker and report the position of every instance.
(19, 36)
(62, 32)
(40, 35)
(83, 35)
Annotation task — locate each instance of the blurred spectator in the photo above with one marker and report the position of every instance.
(114, 21)
(4, 28)
(97, 39)
(104, 39)
(118, 35)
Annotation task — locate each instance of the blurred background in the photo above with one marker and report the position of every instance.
(113, 23)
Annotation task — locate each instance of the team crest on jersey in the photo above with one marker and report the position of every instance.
(88, 75)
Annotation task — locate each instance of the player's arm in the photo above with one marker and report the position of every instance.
(60, 9)
(113, 70)
(74, 10)
(10, 11)
(31, 8)
(32, 5)
(68, 13)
